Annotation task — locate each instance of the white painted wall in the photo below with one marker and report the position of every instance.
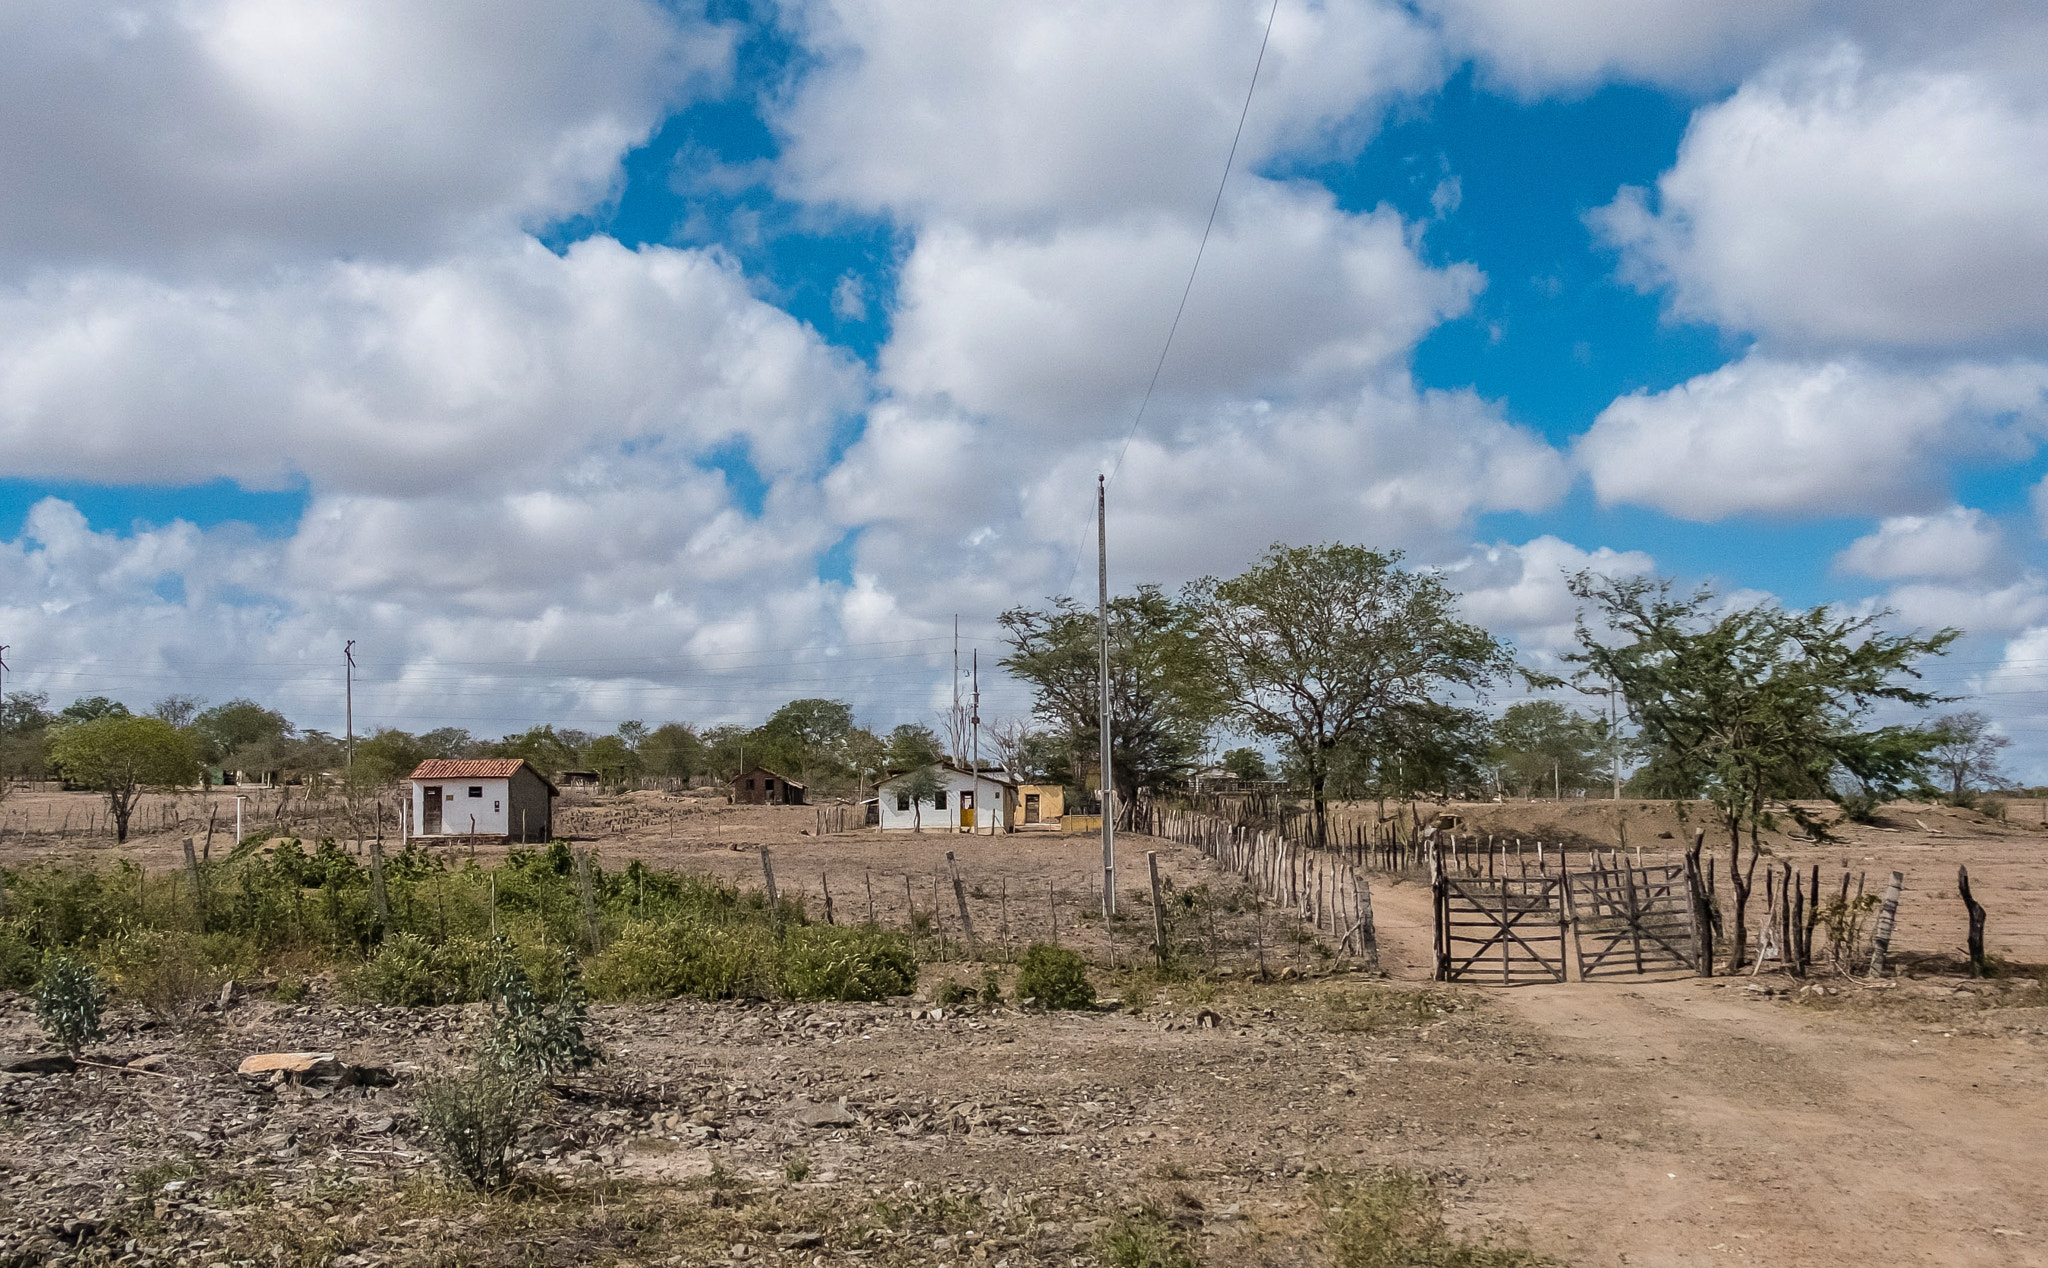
(457, 806)
(989, 807)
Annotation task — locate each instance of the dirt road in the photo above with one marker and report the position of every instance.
(1710, 1123)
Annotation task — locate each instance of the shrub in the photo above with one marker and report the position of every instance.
(948, 993)
(845, 963)
(1394, 1219)
(1055, 977)
(163, 971)
(68, 1003)
(474, 1118)
(991, 987)
(681, 957)
(745, 960)
(411, 971)
(534, 1039)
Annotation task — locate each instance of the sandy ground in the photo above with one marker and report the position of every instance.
(1680, 1122)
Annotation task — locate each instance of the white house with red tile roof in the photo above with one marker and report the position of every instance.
(483, 796)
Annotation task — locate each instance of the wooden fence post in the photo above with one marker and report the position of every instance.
(198, 883)
(825, 884)
(378, 894)
(774, 903)
(1158, 908)
(1976, 910)
(960, 897)
(1887, 916)
(589, 898)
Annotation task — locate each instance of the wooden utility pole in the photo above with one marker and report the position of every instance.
(348, 676)
(1102, 617)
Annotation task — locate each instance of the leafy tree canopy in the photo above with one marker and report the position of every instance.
(1751, 705)
(1540, 747)
(1323, 648)
(86, 708)
(1162, 697)
(121, 756)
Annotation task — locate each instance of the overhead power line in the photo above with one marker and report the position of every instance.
(1201, 249)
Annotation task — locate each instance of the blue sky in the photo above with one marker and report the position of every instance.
(730, 341)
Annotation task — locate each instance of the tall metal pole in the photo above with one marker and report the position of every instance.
(1102, 617)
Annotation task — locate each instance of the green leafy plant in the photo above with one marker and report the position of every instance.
(948, 993)
(536, 1038)
(69, 1001)
(991, 987)
(1055, 977)
(474, 1118)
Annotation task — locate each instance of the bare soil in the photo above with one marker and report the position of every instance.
(1658, 1122)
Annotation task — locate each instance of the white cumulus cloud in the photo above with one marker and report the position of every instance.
(1959, 542)
(1787, 437)
(1833, 201)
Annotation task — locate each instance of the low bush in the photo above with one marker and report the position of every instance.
(411, 971)
(166, 972)
(746, 960)
(1055, 977)
(474, 1118)
(68, 1002)
(1394, 1219)
(821, 962)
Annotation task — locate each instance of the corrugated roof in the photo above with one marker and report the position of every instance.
(474, 768)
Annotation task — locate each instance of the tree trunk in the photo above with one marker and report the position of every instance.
(1315, 786)
(1738, 933)
(1978, 968)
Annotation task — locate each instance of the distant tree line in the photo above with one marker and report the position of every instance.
(1358, 674)
(1362, 679)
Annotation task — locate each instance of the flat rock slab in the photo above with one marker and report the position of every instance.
(298, 1066)
(37, 1063)
(826, 1115)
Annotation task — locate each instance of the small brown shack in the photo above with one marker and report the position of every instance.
(763, 787)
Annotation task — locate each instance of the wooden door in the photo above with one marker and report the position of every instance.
(1031, 807)
(430, 814)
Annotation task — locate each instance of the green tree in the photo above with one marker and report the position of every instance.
(1756, 705)
(546, 750)
(177, 709)
(25, 720)
(613, 759)
(1247, 764)
(1966, 751)
(923, 786)
(673, 751)
(1319, 647)
(1162, 698)
(807, 736)
(87, 708)
(389, 755)
(242, 735)
(1540, 746)
(726, 750)
(123, 756)
(911, 745)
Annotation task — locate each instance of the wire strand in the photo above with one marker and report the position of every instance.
(1214, 206)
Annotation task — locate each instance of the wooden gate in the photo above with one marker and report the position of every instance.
(1507, 930)
(1633, 920)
